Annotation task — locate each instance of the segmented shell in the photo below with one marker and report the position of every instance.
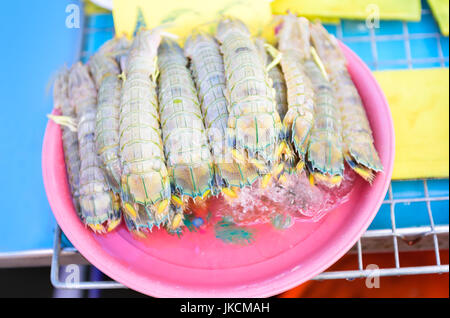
(186, 146)
(299, 119)
(145, 181)
(209, 74)
(105, 70)
(325, 158)
(253, 118)
(358, 144)
(97, 202)
(324, 151)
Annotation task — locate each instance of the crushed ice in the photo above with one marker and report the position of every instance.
(280, 204)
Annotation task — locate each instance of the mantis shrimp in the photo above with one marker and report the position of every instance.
(254, 123)
(323, 142)
(209, 74)
(105, 71)
(358, 146)
(186, 146)
(299, 119)
(69, 134)
(279, 84)
(97, 202)
(145, 181)
(325, 160)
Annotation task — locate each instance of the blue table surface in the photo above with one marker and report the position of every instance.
(38, 43)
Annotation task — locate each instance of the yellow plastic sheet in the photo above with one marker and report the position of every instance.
(90, 8)
(440, 12)
(409, 10)
(419, 102)
(182, 17)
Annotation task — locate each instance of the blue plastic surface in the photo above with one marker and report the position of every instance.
(363, 49)
(383, 218)
(424, 48)
(389, 28)
(392, 50)
(36, 43)
(427, 24)
(354, 28)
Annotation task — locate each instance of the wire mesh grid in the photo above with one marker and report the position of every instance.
(409, 59)
(410, 234)
(398, 236)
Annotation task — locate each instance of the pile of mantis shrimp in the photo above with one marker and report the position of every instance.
(148, 126)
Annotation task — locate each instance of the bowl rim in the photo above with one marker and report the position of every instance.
(111, 267)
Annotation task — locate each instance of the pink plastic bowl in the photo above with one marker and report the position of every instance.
(200, 265)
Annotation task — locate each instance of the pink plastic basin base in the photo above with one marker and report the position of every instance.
(200, 265)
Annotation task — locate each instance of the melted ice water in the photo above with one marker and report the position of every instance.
(294, 199)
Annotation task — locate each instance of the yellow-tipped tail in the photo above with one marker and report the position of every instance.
(129, 209)
(300, 166)
(97, 228)
(162, 207)
(229, 193)
(364, 160)
(327, 180)
(311, 179)
(282, 179)
(260, 165)
(113, 224)
(366, 173)
(177, 201)
(266, 180)
(176, 222)
(278, 170)
(192, 181)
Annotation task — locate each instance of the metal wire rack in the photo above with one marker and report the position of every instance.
(411, 234)
(391, 239)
